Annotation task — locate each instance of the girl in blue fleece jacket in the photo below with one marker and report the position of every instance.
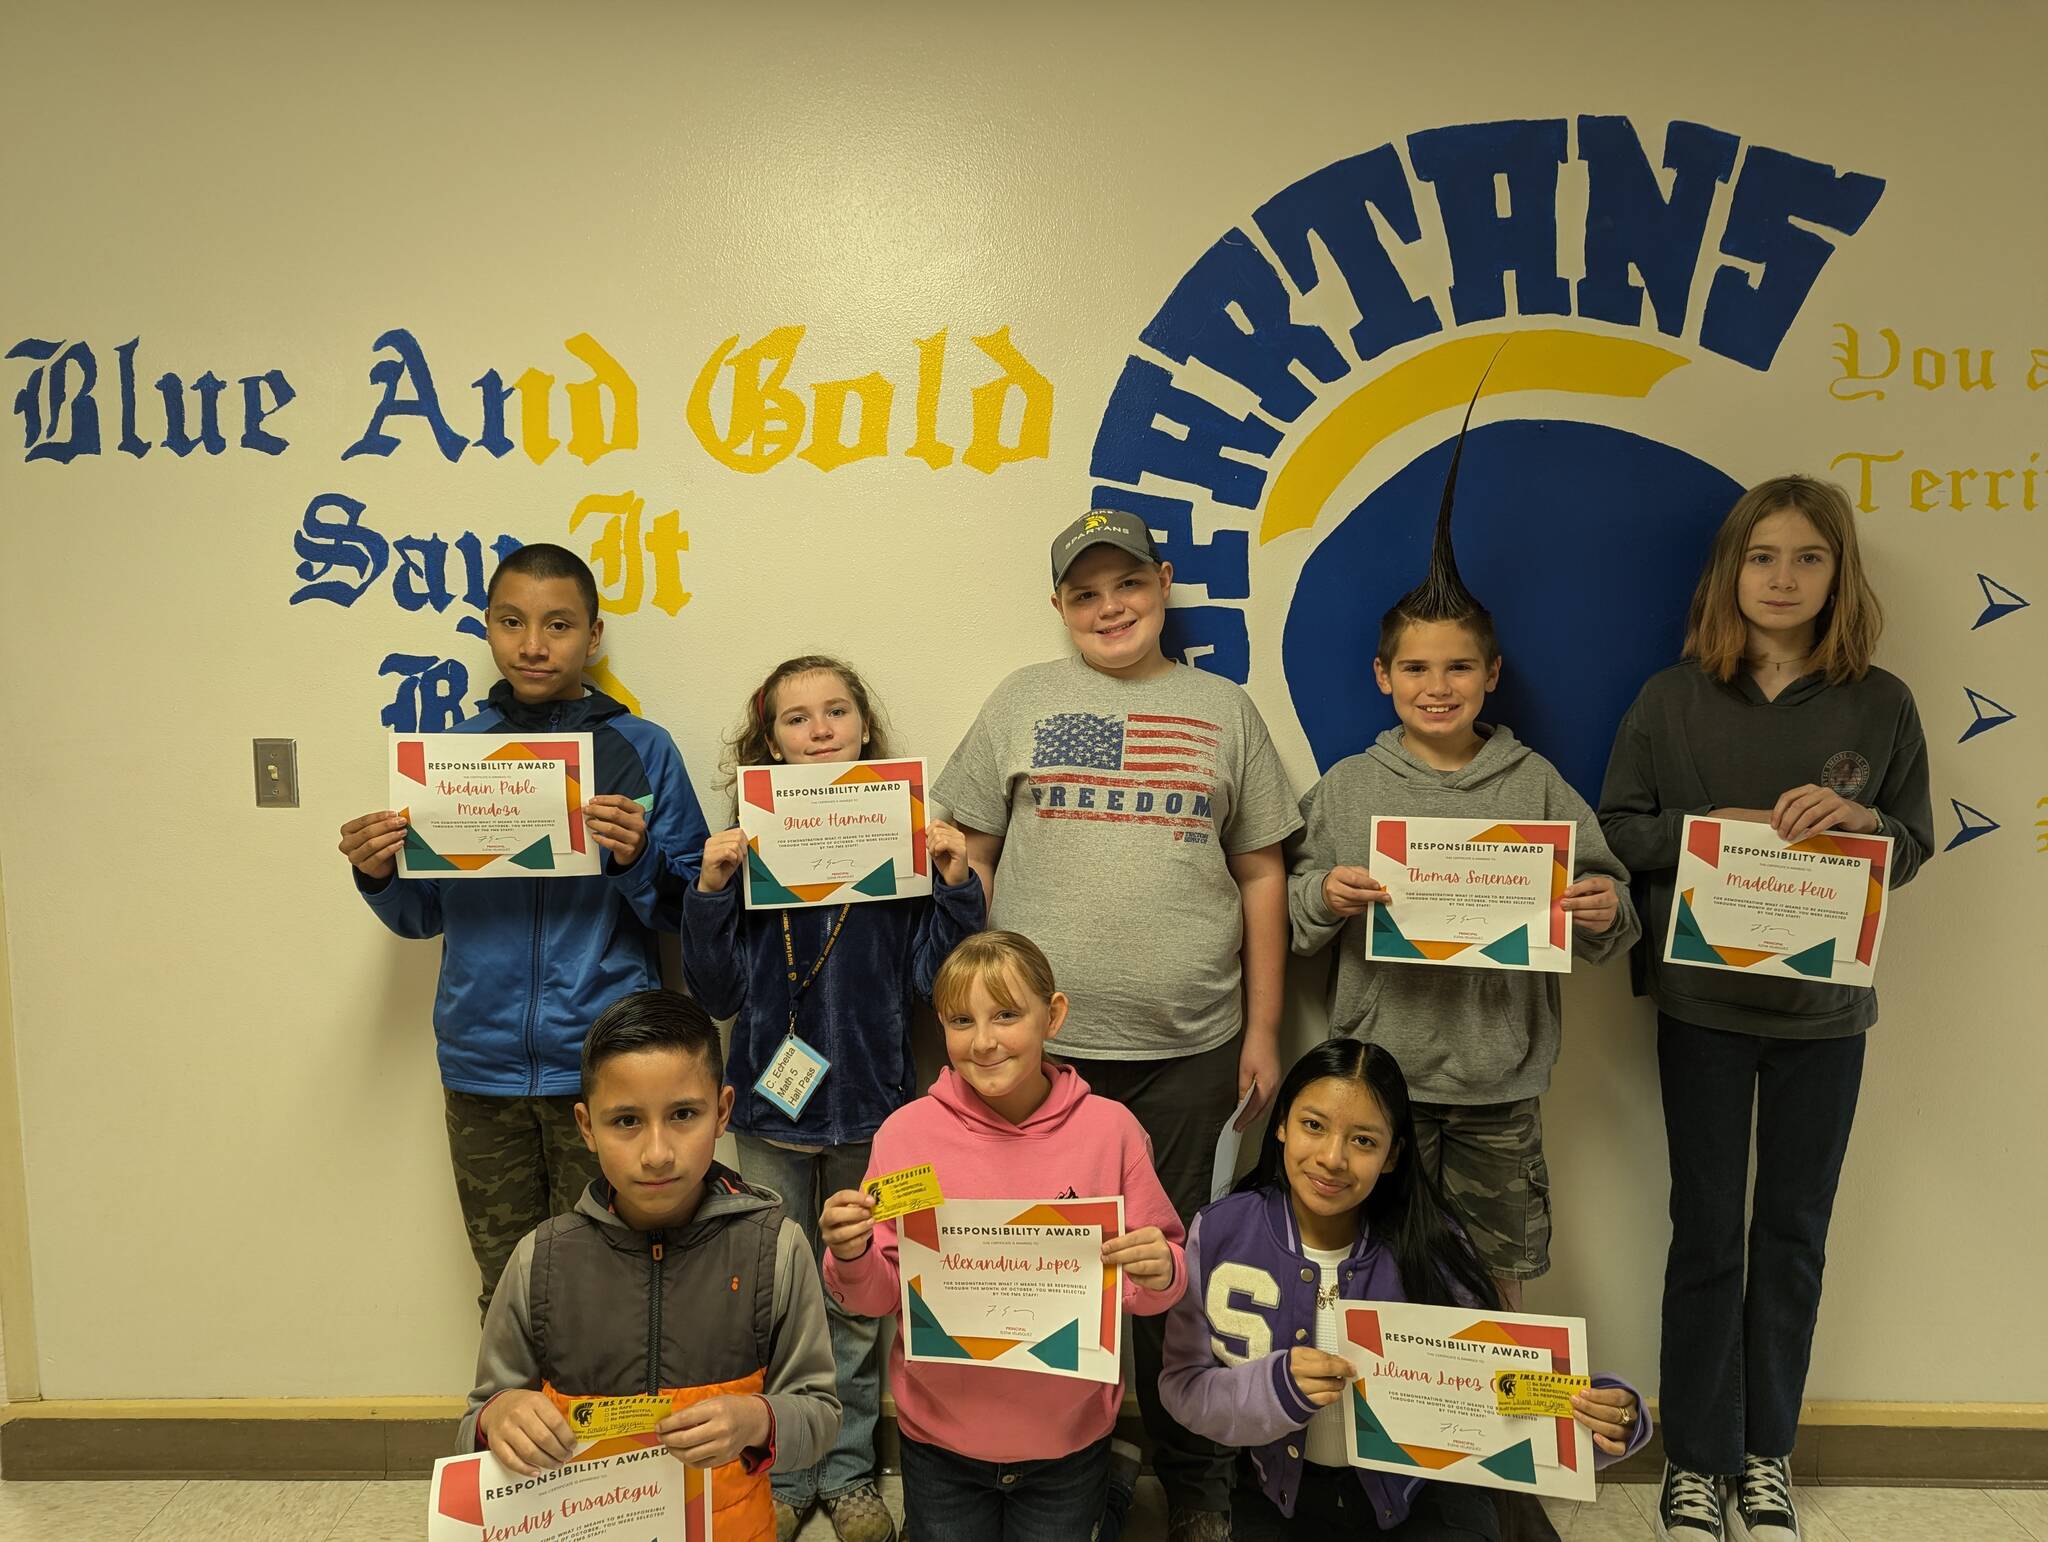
(845, 979)
(1336, 1211)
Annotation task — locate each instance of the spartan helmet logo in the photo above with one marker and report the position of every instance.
(1093, 523)
(581, 1413)
(1506, 1382)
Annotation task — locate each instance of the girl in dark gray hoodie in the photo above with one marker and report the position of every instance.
(1775, 716)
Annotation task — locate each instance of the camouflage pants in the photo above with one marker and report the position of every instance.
(517, 1162)
(1488, 1159)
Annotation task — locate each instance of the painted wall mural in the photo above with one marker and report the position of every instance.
(1246, 413)
(1254, 426)
(741, 411)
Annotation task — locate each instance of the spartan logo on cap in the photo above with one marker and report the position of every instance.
(1102, 527)
(1846, 772)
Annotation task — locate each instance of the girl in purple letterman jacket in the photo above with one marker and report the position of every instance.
(1334, 1212)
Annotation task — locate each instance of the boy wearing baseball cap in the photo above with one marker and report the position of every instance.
(1131, 809)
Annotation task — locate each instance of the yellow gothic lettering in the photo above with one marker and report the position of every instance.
(765, 419)
(986, 452)
(587, 438)
(828, 450)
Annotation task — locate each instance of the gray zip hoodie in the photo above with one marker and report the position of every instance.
(1461, 1035)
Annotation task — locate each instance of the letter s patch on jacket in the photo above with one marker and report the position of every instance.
(1260, 1289)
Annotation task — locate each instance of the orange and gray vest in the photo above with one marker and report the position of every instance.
(703, 1298)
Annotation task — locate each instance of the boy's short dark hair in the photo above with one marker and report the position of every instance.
(646, 1020)
(542, 560)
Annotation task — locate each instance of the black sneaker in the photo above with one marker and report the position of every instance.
(1763, 1510)
(1689, 1508)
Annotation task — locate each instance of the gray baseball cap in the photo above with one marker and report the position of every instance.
(1101, 527)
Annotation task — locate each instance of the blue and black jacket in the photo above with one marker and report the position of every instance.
(857, 1013)
(528, 963)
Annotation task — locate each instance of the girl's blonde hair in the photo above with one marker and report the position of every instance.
(996, 959)
(752, 743)
(1847, 628)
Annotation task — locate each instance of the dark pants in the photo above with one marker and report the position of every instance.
(517, 1161)
(1332, 1504)
(948, 1498)
(1735, 1349)
(1182, 1105)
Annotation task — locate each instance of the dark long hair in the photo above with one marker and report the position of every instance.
(1405, 1209)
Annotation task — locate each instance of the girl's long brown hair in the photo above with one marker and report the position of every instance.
(752, 743)
(1845, 632)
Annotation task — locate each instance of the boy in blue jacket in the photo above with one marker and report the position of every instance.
(528, 963)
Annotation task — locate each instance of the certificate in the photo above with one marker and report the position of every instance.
(490, 806)
(834, 834)
(625, 1489)
(1425, 1404)
(1476, 893)
(1748, 901)
(1008, 1283)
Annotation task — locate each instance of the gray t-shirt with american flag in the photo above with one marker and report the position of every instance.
(1119, 803)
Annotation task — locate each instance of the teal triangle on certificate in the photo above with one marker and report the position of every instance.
(422, 858)
(926, 1336)
(1517, 1464)
(881, 882)
(765, 890)
(1062, 1351)
(646, 802)
(1817, 961)
(1374, 1443)
(1511, 949)
(1687, 943)
(540, 856)
(1387, 941)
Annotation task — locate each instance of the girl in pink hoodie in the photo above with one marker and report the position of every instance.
(992, 1452)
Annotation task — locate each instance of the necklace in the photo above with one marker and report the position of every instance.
(1326, 1297)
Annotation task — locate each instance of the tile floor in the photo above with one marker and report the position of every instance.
(395, 1512)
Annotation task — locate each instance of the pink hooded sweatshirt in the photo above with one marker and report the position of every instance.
(1075, 1145)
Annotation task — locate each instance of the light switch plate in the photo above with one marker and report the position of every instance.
(277, 773)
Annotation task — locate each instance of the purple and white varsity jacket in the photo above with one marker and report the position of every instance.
(1251, 1298)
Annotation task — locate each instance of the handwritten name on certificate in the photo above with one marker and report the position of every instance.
(1425, 1401)
(834, 834)
(1747, 901)
(619, 1490)
(1014, 1285)
(493, 806)
(1473, 893)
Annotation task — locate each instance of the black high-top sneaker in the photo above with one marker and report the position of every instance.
(1689, 1508)
(1763, 1510)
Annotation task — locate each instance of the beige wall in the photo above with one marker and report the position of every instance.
(235, 1176)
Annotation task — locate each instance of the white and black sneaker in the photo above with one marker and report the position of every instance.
(1689, 1508)
(1762, 1511)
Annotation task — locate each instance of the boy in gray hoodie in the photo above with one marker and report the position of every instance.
(1476, 1045)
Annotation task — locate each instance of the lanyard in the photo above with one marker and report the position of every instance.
(796, 994)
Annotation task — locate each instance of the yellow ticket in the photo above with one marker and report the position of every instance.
(1541, 1394)
(607, 1418)
(915, 1188)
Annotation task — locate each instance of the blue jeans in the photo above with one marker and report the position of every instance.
(948, 1498)
(805, 1180)
(1736, 1344)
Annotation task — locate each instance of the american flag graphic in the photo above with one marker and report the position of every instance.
(1139, 769)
